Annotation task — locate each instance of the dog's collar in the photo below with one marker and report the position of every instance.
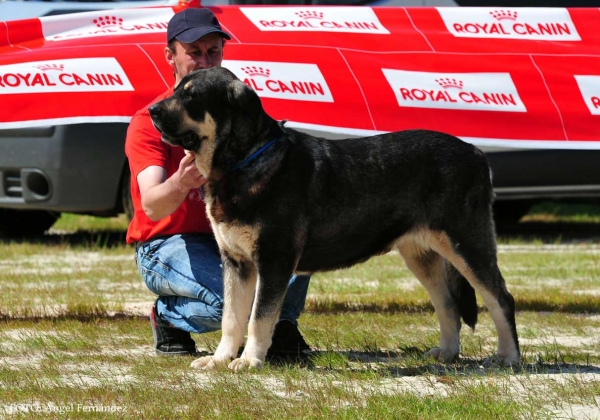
(252, 156)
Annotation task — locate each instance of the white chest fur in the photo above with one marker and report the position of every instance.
(238, 239)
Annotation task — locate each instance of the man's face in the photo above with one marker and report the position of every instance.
(204, 53)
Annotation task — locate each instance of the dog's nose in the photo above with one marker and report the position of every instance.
(154, 110)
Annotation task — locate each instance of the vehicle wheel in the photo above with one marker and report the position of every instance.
(126, 193)
(510, 211)
(14, 223)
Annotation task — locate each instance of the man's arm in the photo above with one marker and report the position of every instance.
(160, 195)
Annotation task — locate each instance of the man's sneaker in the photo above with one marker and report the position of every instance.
(288, 344)
(168, 340)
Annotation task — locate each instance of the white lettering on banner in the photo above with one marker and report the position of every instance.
(551, 24)
(103, 74)
(590, 90)
(295, 81)
(361, 20)
(468, 91)
(107, 22)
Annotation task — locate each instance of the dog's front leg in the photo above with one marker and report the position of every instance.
(239, 281)
(270, 292)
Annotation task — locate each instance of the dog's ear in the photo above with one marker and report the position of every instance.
(244, 98)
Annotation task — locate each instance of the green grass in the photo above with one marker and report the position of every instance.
(69, 341)
(107, 362)
(72, 222)
(559, 212)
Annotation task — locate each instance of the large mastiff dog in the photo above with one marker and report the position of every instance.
(281, 201)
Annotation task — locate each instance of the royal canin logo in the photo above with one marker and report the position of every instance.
(543, 24)
(589, 86)
(447, 83)
(293, 81)
(108, 21)
(468, 91)
(310, 14)
(48, 67)
(92, 24)
(255, 71)
(69, 75)
(504, 14)
(317, 19)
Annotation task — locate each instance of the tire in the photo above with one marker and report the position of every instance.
(19, 223)
(126, 201)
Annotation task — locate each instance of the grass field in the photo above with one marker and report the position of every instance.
(75, 340)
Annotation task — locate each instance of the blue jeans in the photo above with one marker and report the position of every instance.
(185, 272)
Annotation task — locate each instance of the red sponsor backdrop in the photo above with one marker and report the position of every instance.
(542, 72)
(348, 108)
(489, 124)
(558, 74)
(43, 106)
(402, 36)
(586, 20)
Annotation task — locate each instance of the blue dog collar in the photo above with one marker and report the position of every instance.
(253, 156)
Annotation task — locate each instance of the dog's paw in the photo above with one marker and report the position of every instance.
(240, 364)
(442, 355)
(208, 363)
(504, 361)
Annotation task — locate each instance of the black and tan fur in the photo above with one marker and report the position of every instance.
(308, 204)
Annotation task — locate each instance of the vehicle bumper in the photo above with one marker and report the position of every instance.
(74, 168)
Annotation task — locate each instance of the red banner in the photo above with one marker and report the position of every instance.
(526, 77)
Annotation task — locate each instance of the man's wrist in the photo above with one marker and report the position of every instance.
(179, 187)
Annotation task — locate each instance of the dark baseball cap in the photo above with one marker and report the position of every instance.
(192, 24)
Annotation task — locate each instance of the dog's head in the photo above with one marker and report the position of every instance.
(210, 113)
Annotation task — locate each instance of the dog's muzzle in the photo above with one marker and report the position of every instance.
(157, 116)
(170, 136)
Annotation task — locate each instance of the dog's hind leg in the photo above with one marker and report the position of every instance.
(239, 281)
(474, 256)
(430, 268)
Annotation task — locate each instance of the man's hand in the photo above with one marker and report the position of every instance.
(162, 196)
(188, 176)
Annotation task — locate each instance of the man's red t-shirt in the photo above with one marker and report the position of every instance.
(144, 148)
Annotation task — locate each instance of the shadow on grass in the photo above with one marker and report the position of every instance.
(546, 232)
(97, 239)
(387, 362)
(569, 304)
(91, 317)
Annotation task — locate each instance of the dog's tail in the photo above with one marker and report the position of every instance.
(463, 296)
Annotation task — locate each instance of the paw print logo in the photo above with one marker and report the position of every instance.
(107, 21)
